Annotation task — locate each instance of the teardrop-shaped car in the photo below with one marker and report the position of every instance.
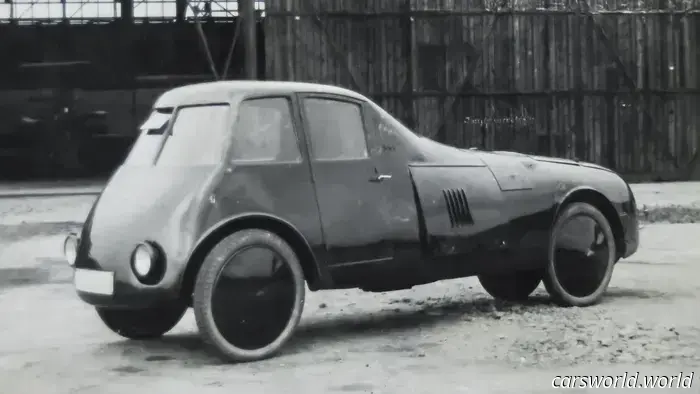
(239, 195)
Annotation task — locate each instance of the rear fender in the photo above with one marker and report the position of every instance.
(316, 277)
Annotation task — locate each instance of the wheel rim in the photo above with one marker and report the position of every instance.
(253, 298)
(581, 256)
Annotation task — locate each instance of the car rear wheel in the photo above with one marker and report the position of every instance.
(582, 256)
(516, 286)
(146, 323)
(249, 295)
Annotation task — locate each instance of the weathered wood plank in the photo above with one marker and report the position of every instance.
(601, 80)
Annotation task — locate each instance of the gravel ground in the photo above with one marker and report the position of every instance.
(448, 336)
(21, 218)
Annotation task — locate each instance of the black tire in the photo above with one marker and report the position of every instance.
(256, 315)
(584, 282)
(147, 323)
(516, 286)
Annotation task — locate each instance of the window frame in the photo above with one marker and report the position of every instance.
(295, 129)
(342, 99)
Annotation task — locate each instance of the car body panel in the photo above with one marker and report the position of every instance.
(187, 205)
(353, 224)
(264, 189)
(511, 174)
(438, 212)
(476, 198)
(160, 205)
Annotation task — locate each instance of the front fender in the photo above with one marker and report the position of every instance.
(577, 194)
(615, 204)
(609, 185)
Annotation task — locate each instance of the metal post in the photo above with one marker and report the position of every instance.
(127, 10)
(246, 15)
(180, 10)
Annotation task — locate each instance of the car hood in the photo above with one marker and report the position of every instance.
(516, 170)
(548, 159)
(438, 153)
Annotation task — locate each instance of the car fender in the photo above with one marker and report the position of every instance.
(228, 225)
(601, 201)
(564, 197)
(562, 194)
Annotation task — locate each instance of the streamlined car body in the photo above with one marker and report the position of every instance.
(238, 194)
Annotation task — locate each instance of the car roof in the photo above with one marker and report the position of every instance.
(223, 91)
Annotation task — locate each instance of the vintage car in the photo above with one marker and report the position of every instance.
(238, 195)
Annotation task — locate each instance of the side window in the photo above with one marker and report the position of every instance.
(382, 136)
(264, 131)
(335, 129)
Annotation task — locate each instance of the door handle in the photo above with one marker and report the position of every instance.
(380, 178)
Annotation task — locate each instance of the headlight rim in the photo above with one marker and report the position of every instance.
(72, 237)
(157, 266)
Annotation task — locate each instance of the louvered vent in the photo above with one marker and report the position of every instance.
(457, 207)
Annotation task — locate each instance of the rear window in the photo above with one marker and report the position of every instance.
(197, 137)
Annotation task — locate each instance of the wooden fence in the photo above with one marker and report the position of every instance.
(613, 82)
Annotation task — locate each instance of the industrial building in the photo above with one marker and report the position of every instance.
(607, 81)
(76, 77)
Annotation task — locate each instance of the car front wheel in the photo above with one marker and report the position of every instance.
(146, 323)
(582, 256)
(249, 295)
(516, 286)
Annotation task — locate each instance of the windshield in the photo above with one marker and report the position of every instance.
(197, 137)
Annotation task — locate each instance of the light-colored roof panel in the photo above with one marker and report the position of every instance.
(223, 91)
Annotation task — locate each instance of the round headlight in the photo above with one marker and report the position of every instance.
(143, 259)
(70, 248)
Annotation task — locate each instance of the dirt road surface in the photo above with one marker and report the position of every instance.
(445, 337)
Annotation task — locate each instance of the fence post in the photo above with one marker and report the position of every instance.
(412, 65)
(549, 99)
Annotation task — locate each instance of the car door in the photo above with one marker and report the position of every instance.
(267, 170)
(397, 203)
(348, 185)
